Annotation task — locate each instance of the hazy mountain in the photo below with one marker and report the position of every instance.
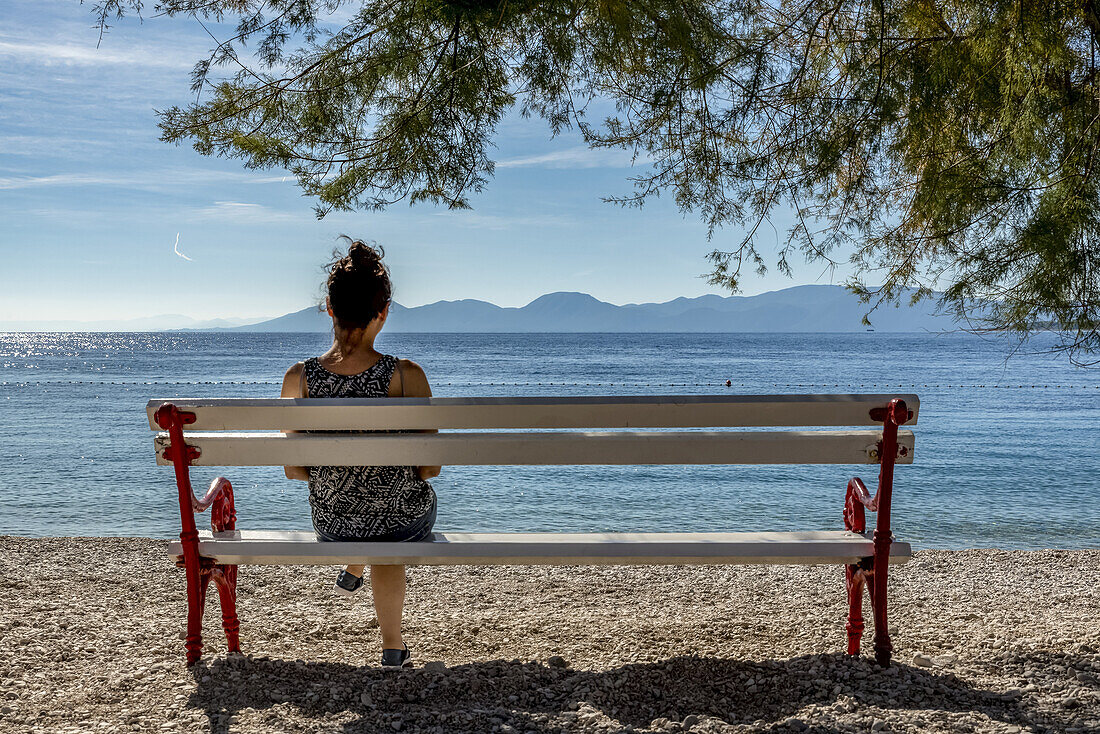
(806, 308)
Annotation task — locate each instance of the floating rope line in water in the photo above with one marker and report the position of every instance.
(861, 386)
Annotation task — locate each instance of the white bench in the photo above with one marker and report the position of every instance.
(252, 432)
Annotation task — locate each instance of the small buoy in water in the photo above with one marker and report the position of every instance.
(729, 383)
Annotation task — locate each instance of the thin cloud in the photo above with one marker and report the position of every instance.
(176, 249)
(578, 157)
(61, 179)
(139, 180)
(239, 212)
(71, 54)
(46, 145)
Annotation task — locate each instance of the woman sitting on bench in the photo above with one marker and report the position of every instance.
(365, 503)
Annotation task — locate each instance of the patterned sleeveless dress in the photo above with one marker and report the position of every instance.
(365, 502)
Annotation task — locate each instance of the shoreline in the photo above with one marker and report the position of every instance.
(985, 640)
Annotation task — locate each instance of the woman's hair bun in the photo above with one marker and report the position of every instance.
(364, 256)
(358, 285)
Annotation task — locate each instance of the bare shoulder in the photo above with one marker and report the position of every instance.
(416, 382)
(407, 365)
(295, 371)
(292, 380)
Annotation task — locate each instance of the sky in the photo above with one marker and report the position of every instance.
(91, 202)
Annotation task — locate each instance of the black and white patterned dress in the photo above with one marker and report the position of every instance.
(365, 502)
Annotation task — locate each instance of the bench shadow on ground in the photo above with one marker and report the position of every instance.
(532, 696)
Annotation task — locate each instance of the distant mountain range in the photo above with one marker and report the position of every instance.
(805, 308)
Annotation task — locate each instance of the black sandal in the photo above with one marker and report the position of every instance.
(394, 659)
(347, 583)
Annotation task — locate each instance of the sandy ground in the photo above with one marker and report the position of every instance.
(985, 641)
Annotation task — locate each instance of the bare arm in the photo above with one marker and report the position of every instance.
(415, 385)
(292, 388)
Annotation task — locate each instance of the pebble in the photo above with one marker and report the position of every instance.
(922, 660)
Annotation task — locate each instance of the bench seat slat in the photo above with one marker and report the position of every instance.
(273, 547)
(404, 414)
(573, 448)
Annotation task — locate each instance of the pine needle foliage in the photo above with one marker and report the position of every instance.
(949, 147)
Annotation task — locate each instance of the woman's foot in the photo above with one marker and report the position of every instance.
(397, 659)
(347, 583)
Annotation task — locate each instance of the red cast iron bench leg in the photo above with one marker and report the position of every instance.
(872, 572)
(223, 516)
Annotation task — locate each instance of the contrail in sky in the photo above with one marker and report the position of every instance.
(176, 249)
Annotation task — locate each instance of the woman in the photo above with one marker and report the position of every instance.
(376, 503)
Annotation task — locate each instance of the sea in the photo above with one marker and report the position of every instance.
(1007, 443)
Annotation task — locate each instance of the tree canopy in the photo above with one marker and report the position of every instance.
(949, 146)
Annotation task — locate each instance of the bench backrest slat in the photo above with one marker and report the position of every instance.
(618, 447)
(405, 414)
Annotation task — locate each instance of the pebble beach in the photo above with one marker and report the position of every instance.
(985, 641)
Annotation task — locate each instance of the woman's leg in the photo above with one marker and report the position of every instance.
(356, 571)
(388, 585)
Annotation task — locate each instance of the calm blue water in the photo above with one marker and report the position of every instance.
(1008, 452)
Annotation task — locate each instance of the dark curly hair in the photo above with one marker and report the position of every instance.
(358, 285)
